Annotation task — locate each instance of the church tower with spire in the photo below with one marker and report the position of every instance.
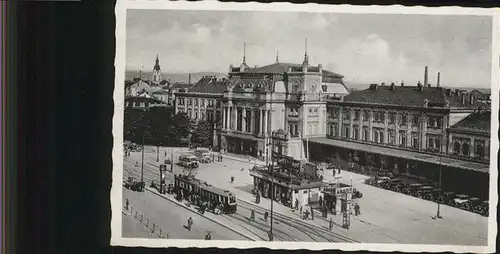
(156, 71)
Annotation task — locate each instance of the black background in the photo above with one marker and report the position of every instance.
(59, 174)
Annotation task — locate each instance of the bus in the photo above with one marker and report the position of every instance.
(188, 161)
(203, 155)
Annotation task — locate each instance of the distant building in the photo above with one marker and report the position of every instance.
(482, 95)
(470, 137)
(142, 102)
(156, 77)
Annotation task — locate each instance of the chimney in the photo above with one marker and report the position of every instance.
(463, 99)
(402, 83)
(393, 86)
(439, 79)
(471, 100)
(425, 76)
(189, 78)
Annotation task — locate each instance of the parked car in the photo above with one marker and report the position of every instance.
(356, 194)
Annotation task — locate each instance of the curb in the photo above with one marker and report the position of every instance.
(202, 215)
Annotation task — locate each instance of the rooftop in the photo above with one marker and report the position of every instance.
(181, 85)
(210, 84)
(411, 96)
(280, 68)
(477, 121)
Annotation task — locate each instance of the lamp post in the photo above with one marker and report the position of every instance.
(272, 185)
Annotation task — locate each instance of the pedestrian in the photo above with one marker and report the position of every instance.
(266, 214)
(312, 213)
(232, 179)
(357, 209)
(136, 164)
(190, 223)
(126, 204)
(252, 215)
(330, 226)
(300, 209)
(296, 204)
(208, 236)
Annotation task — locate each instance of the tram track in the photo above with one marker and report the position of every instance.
(303, 226)
(309, 232)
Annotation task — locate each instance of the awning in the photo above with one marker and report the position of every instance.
(450, 162)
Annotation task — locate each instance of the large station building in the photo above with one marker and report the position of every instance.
(420, 131)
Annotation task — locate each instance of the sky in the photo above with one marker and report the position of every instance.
(365, 48)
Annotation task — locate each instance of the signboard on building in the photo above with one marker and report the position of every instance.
(287, 163)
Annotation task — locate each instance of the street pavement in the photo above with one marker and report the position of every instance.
(386, 217)
(172, 219)
(133, 228)
(283, 229)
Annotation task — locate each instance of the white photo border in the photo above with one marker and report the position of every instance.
(117, 154)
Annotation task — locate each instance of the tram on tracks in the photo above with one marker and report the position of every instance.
(197, 192)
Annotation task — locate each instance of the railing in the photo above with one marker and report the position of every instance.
(150, 225)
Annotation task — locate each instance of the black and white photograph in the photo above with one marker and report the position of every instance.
(305, 127)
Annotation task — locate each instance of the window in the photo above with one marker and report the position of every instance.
(195, 102)
(378, 135)
(392, 137)
(190, 102)
(403, 119)
(333, 129)
(366, 116)
(402, 138)
(294, 112)
(294, 130)
(345, 132)
(189, 114)
(366, 134)
(465, 149)
(217, 116)
(392, 118)
(434, 122)
(414, 139)
(355, 132)
(356, 115)
(346, 115)
(479, 149)
(333, 112)
(378, 116)
(456, 148)
(433, 143)
(414, 120)
(195, 115)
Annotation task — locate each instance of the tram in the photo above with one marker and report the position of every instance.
(199, 192)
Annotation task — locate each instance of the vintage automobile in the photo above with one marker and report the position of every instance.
(205, 159)
(356, 194)
(134, 185)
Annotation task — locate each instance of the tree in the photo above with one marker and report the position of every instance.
(160, 126)
(203, 134)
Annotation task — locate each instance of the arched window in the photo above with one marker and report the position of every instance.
(465, 149)
(479, 150)
(456, 148)
(366, 135)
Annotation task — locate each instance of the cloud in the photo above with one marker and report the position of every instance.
(363, 48)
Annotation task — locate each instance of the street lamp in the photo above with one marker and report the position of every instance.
(272, 184)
